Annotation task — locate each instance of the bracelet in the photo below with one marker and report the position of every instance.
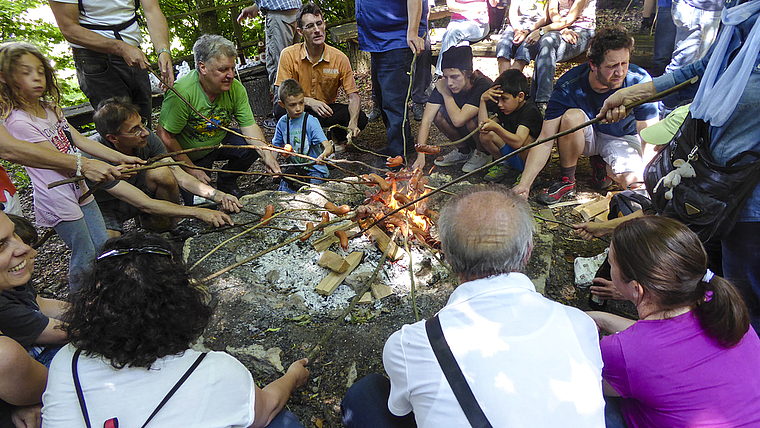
(162, 50)
(79, 163)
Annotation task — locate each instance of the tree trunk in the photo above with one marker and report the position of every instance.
(208, 21)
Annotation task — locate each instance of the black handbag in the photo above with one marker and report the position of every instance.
(710, 202)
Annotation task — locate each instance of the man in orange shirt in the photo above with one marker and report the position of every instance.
(321, 70)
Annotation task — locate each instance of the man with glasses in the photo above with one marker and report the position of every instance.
(154, 191)
(321, 70)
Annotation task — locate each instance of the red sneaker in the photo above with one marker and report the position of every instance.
(557, 191)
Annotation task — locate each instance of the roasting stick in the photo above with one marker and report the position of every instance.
(628, 109)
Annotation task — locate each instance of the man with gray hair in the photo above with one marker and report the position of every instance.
(528, 361)
(212, 90)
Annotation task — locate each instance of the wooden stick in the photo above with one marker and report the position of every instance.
(411, 276)
(126, 171)
(628, 109)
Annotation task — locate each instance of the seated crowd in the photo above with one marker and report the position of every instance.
(122, 348)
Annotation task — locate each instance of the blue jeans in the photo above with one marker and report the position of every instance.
(390, 83)
(551, 50)
(422, 75)
(506, 49)
(741, 252)
(102, 76)
(664, 41)
(285, 419)
(696, 29)
(457, 31)
(366, 405)
(613, 416)
(84, 237)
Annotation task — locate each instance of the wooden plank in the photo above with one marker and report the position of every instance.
(328, 238)
(382, 240)
(380, 290)
(333, 261)
(366, 298)
(592, 209)
(333, 280)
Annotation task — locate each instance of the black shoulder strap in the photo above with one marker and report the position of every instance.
(176, 386)
(83, 405)
(78, 387)
(454, 375)
(303, 135)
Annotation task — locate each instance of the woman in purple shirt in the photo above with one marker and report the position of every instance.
(691, 359)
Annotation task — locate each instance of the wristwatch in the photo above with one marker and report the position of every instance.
(541, 31)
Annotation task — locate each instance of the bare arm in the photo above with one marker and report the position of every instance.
(172, 145)
(354, 107)
(22, 379)
(459, 116)
(327, 150)
(135, 197)
(159, 35)
(559, 22)
(53, 334)
(593, 229)
(537, 157)
(422, 135)
(270, 162)
(272, 398)
(42, 156)
(67, 16)
(196, 187)
(610, 323)
(613, 109)
(414, 11)
(52, 308)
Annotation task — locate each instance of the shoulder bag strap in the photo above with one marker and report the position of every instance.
(176, 386)
(78, 387)
(454, 375)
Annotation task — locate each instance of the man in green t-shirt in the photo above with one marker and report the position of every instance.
(212, 90)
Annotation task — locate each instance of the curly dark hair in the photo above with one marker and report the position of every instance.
(608, 39)
(136, 307)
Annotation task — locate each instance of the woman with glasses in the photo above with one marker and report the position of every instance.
(130, 362)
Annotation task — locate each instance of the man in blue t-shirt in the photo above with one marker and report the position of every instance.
(615, 150)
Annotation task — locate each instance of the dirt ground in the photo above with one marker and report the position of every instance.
(266, 328)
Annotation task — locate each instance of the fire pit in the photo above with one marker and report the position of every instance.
(290, 275)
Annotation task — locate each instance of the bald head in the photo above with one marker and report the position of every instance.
(486, 230)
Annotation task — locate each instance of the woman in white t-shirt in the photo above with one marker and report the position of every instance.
(131, 325)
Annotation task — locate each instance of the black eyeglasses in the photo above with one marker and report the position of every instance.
(144, 250)
(311, 25)
(140, 128)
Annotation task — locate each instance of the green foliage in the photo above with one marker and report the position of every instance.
(187, 28)
(17, 173)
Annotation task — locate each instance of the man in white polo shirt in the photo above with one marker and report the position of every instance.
(529, 361)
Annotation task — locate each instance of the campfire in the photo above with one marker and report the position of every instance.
(394, 191)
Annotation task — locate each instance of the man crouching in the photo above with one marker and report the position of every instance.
(154, 191)
(528, 361)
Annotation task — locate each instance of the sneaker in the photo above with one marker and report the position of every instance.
(476, 161)
(417, 110)
(452, 158)
(556, 191)
(269, 123)
(375, 114)
(600, 181)
(498, 173)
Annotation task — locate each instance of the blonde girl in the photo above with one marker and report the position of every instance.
(29, 108)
